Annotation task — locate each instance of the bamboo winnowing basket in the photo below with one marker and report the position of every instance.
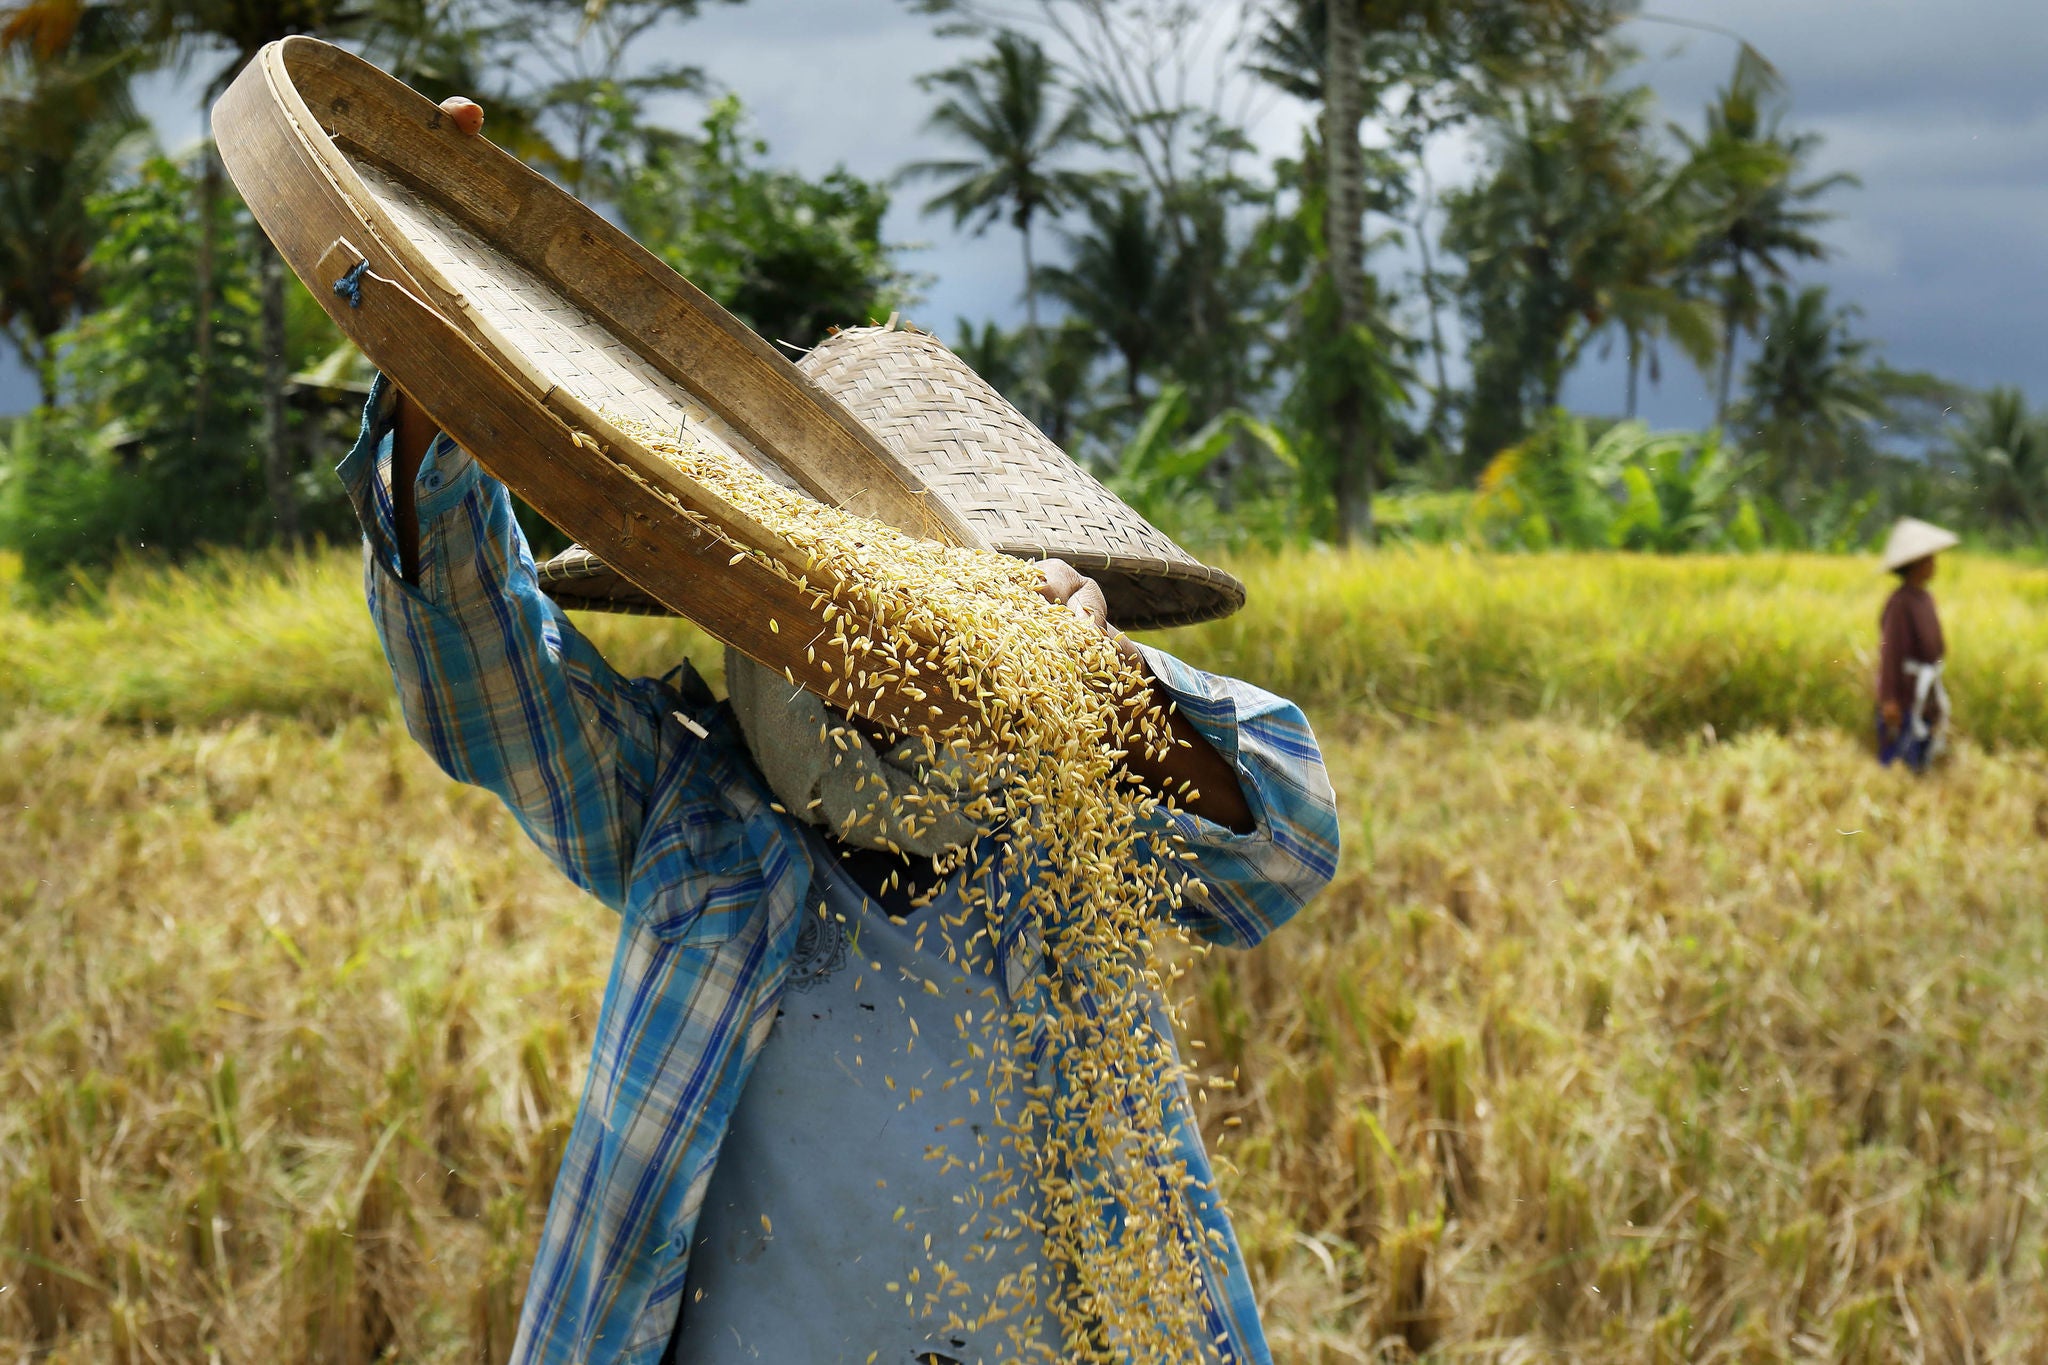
(514, 315)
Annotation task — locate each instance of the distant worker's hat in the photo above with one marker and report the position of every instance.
(1912, 539)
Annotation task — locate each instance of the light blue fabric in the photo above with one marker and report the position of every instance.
(675, 833)
(857, 1138)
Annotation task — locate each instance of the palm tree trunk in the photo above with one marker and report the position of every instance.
(277, 474)
(1030, 291)
(204, 269)
(1727, 360)
(1439, 399)
(1037, 390)
(45, 364)
(1344, 236)
(1634, 363)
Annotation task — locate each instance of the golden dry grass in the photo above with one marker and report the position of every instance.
(1596, 1051)
(293, 1028)
(1601, 1053)
(1592, 1045)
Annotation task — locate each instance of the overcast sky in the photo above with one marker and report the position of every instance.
(1938, 107)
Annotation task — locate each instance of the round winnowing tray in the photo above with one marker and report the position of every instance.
(524, 324)
(522, 321)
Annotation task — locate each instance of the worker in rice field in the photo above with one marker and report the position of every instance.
(735, 1178)
(1912, 704)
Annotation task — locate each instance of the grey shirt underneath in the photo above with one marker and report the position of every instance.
(829, 1181)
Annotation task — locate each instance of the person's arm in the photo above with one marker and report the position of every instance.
(1927, 641)
(1894, 646)
(415, 430)
(1247, 883)
(1200, 777)
(1262, 823)
(1195, 771)
(492, 679)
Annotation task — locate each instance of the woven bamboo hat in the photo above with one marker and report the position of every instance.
(1912, 539)
(1015, 490)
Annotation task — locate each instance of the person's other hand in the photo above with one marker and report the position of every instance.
(1891, 713)
(1082, 595)
(466, 113)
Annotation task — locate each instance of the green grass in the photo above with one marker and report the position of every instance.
(235, 636)
(1662, 647)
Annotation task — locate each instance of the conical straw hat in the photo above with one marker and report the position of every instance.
(1013, 488)
(1912, 539)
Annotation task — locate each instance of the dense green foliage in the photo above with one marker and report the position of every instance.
(122, 467)
(196, 396)
(65, 118)
(789, 257)
(1259, 303)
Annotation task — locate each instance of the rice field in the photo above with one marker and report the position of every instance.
(1660, 647)
(1648, 1020)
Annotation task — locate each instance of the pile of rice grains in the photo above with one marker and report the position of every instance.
(1106, 1262)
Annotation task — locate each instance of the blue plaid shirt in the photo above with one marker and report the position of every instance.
(675, 834)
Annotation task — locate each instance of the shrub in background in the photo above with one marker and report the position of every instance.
(131, 463)
(157, 446)
(789, 257)
(63, 501)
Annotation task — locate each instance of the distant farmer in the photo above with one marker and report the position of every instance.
(727, 1082)
(1912, 705)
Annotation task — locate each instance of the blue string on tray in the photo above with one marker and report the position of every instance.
(350, 286)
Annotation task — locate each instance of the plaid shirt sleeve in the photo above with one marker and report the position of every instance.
(1250, 884)
(493, 680)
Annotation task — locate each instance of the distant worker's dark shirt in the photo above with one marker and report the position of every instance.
(1911, 630)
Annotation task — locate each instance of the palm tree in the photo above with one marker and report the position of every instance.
(1003, 105)
(47, 229)
(1645, 298)
(1121, 283)
(1415, 66)
(1555, 245)
(1344, 254)
(1814, 389)
(993, 354)
(65, 120)
(2002, 451)
(1756, 213)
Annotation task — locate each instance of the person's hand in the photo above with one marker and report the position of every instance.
(465, 113)
(1891, 713)
(1082, 595)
